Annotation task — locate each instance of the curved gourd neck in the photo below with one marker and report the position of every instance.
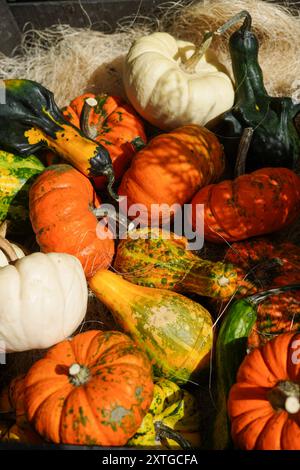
(111, 288)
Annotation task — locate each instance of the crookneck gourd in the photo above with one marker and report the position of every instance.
(231, 349)
(171, 407)
(30, 120)
(275, 140)
(175, 331)
(157, 258)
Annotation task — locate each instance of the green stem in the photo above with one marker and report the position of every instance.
(190, 65)
(165, 432)
(261, 296)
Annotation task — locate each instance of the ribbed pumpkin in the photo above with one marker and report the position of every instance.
(157, 258)
(61, 212)
(170, 170)
(16, 176)
(93, 389)
(111, 122)
(175, 331)
(175, 408)
(270, 265)
(259, 203)
(264, 404)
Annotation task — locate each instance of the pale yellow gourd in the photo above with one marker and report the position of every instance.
(169, 90)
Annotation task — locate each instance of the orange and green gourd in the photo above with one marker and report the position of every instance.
(16, 177)
(30, 120)
(161, 259)
(175, 332)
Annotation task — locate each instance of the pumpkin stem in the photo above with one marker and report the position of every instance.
(78, 375)
(89, 130)
(189, 65)
(261, 296)
(285, 396)
(163, 432)
(8, 249)
(240, 165)
(111, 179)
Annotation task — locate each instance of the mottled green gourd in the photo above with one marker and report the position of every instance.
(16, 177)
(157, 258)
(176, 332)
(275, 141)
(231, 348)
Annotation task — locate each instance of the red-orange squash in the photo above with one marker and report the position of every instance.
(258, 203)
(264, 404)
(93, 389)
(111, 122)
(170, 170)
(61, 203)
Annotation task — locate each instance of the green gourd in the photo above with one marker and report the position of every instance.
(231, 348)
(274, 140)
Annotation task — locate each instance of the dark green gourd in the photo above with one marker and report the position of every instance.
(275, 140)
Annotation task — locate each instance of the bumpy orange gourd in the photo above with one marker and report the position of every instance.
(61, 203)
(111, 122)
(171, 169)
(264, 404)
(258, 203)
(93, 389)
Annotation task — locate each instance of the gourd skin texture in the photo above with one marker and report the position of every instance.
(16, 176)
(261, 202)
(175, 332)
(174, 407)
(43, 300)
(255, 424)
(170, 170)
(158, 258)
(166, 95)
(107, 407)
(114, 124)
(61, 204)
(30, 120)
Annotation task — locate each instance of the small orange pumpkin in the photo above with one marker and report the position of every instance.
(171, 169)
(61, 203)
(94, 389)
(111, 122)
(264, 404)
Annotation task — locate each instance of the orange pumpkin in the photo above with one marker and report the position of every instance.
(258, 203)
(93, 389)
(171, 169)
(61, 203)
(111, 122)
(264, 404)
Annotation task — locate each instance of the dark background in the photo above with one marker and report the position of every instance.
(15, 15)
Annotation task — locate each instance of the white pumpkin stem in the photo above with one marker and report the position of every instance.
(90, 131)
(190, 65)
(285, 396)
(8, 249)
(78, 375)
(3, 229)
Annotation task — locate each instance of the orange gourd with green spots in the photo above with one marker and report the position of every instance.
(111, 122)
(94, 389)
(258, 203)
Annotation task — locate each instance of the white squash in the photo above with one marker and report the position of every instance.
(43, 299)
(18, 251)
(170, 92)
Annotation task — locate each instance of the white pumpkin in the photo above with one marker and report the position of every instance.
(165, 93)
(43, 299)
